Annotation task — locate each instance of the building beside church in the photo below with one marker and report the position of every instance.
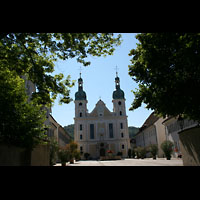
(101, 130)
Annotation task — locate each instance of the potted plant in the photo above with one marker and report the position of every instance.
(167, 147)
(86, 155)
(110, 153)
(54, 148)
(137, 152)
(72, 148)
(63, 155)
(77, 155)
(153, 149)
(141, 152)
(133, 153)
(129, 153)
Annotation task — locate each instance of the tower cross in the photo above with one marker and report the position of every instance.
(80, 69)
(116, 68)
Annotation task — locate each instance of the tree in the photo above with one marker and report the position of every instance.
(22, 122)
(34, 54)
(167, 68)
(70, 130)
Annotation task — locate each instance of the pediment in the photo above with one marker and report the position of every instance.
(100, 110)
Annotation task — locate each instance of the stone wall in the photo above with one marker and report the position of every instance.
(16, 156)
(40, 156)
(13, 156)
(190, 146)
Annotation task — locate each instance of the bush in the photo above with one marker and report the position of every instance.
(119, 153)
(86, 155)
(133, 153)
(167, 147)
(72, 148)
(53, 150)
(64, 155)
(140, 152)
(77, 155)
(129, 153)
(153, 149)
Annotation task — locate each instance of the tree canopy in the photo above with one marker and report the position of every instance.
(21, 121)
(34, 55)
(167, 68)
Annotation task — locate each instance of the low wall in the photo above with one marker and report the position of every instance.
(16, 156)
(190, 146)
(40, 156)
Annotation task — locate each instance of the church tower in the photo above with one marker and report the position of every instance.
(80, 100)
(118, 99)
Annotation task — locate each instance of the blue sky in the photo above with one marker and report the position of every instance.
(99, 80)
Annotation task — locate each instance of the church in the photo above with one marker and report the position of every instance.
(101, 130)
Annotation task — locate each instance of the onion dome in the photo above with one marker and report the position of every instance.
(118, 93)
(80, 95)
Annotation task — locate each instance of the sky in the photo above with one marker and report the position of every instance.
(99, 81)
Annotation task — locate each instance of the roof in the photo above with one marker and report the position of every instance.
(100, 110)
(149, 121)
(168, 118)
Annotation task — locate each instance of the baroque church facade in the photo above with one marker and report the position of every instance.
(101, 130)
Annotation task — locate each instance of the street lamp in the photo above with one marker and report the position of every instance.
(180, 122)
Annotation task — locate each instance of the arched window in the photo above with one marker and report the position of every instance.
(120, 113)
(119, 103)
(80, 104)
(81, 114)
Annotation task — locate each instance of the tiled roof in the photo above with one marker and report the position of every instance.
(149, 121)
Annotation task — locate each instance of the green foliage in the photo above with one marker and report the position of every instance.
(64, 155)
(77, 155)
(140, 152)
(22, 122)
(153, 149)
(34, 55)
(86, 155)
(133, 153)
(70, 130)
(129, 153)
(167, 147)
(73, 150)
(132, 131)
(167, 68)
(69, 152)
(119, 153)
(54, 148)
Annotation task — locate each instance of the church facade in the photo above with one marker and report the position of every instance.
(101, 131)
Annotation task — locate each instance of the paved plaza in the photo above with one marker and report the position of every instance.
(129, 162)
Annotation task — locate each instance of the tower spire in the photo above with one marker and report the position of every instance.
(80, 69)
(116, 68)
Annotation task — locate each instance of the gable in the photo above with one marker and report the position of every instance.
(100, 110)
